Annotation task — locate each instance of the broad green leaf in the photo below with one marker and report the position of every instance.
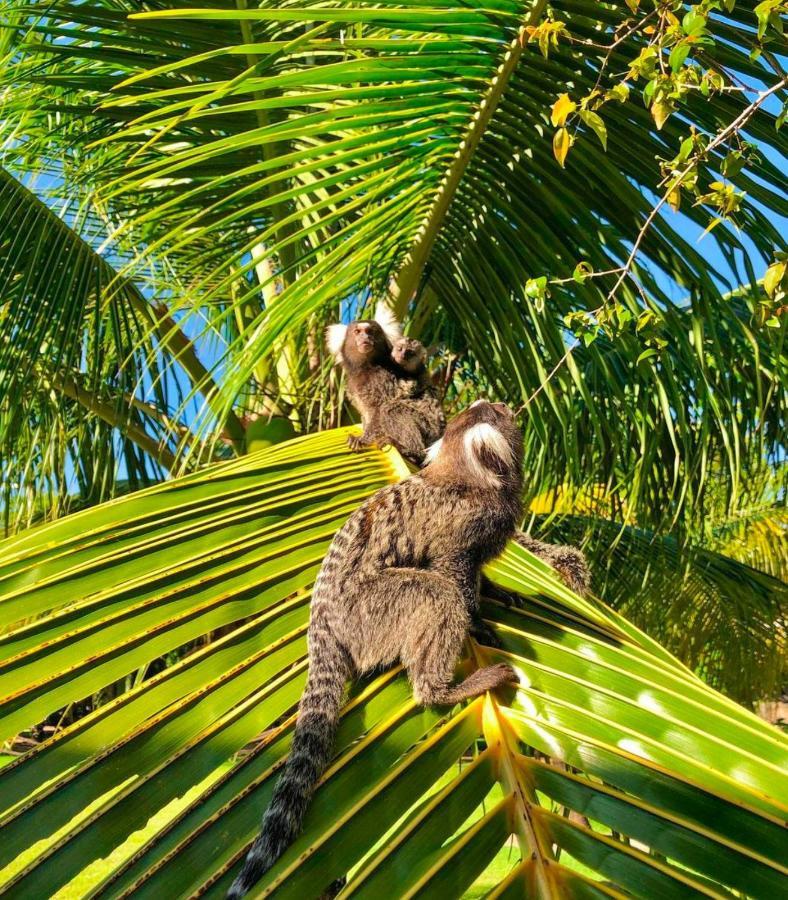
(678, 55)
(675, 789)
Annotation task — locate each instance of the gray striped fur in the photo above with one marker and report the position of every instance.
(400, 582)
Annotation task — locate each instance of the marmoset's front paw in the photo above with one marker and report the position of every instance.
(357, 443)
(508, 598)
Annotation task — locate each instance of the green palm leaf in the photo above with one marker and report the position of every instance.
(676, 791)
(89, 364)
(718, 615)
(407, 147)
(70, 364)
(756, 537)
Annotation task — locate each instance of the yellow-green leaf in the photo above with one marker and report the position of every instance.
(562, 107)
(774, 276)
(595, 123)
(660, 110)
(711, 226)
(562, 141)
(618, 92)
(582, 271)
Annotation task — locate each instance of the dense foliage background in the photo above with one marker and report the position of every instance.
(579, 206)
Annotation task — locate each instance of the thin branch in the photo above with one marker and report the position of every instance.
(625, 271)
(587, 277)
(736, 125)
(611, 47)
(569, 351)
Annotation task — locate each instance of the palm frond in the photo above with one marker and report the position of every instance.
(327, 137)
(675, 791)
(718, 615)
(71, 365)
(92, 367)
(757, 537)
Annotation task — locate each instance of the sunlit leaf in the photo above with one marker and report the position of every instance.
(661, 110)
(674, 790)
(774, 276)
(562, 107)
(562, 141)
(595, 123)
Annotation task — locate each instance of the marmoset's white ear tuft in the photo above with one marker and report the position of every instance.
(335, 338)
(432, 451)
(384, 316)
(484, 439)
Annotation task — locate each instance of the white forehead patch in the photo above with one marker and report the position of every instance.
(476, 403)
(432, 451)
(384, 316)
(486, 437)
(335, 338)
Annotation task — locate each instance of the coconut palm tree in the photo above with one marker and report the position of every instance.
(188, 195)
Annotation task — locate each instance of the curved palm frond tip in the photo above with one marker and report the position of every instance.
(718, 615)
(673, 790)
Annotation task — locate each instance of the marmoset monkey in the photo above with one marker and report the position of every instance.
(400, 581)
(396, 402)
(410, 357)
(415, 386)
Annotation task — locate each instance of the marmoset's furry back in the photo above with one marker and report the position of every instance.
(400, 582)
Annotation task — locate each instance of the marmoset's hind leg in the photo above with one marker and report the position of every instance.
(434, 623)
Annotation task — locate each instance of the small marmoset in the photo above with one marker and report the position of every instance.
(410, 356)
(400, 582)
(388, 384)
(415, 386)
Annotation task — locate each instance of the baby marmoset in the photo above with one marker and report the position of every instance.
(415, 387)
(400, 581)
(410, 357)
(388, 383)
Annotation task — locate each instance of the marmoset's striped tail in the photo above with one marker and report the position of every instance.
(309, 755)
